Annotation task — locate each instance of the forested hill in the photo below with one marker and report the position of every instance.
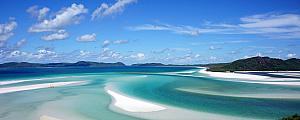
(258, 64)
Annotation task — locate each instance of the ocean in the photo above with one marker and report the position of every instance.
(183, 88)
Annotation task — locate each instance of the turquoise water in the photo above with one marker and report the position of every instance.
(90, 101)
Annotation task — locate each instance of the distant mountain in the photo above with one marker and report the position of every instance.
(258, 64)
(96, 64)
(77, 64)
(149, 64)
(20, 64)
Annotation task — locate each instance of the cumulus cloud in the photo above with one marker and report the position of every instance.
(6, 50)
(291, 55)
(41, 55)
(66, 16)
(44, 53)
(108, 42)
(39, 13)
(108, 54)
(138, 56)
(59, 35)
(105, 43)
(87, 38)
(17, 54)
(6, 31)
(106, 10)
(84, 53)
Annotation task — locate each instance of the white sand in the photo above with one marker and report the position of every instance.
(248, 78)
(146, 110)
(233, 75)
(246, 95)
(290, 83)
(290, 74)
(45, 117)
(6, 82)
(133, 105)
(37, 86)
(12, 82)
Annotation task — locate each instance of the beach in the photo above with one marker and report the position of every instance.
(133, 105)
(241, 76)
(233, 75)
(37, 86)
(147, 110)
(244, 95)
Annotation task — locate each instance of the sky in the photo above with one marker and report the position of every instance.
(142, 31)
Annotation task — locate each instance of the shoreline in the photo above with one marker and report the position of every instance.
(168, 113)
(247, 95)
(8, 82)
(250, 78)
(37, 86)
(46, 117)
(132, 104)
(232, 75)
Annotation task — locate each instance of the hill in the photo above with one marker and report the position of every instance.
(149, 64)
(258, 64)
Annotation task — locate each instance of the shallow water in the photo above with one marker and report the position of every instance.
(157, 84)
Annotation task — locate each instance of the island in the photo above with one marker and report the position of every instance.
(256, 64)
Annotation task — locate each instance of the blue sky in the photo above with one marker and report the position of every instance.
(139, 31)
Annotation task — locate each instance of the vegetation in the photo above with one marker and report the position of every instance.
(293, 117)
(257, 64)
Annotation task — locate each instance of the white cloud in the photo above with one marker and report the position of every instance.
(213, 58)
(271, 25)
(108, 42)
(17, 54)
(107, 54)
(6, 31)
(39, 13)
(197, 55)
(271, 21)
(44, 53)
(106, 10)
(105, 43)
(149, 27)
(41, 55)
(87, 38)
(259, 54)
(120, 41)
(291, 55)
(214, 48)
(138, 56)
(70, 15)
(177, 29)
(59, 35)
(168, 50)
(83, 53)
(183, 29)
(21, 42)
